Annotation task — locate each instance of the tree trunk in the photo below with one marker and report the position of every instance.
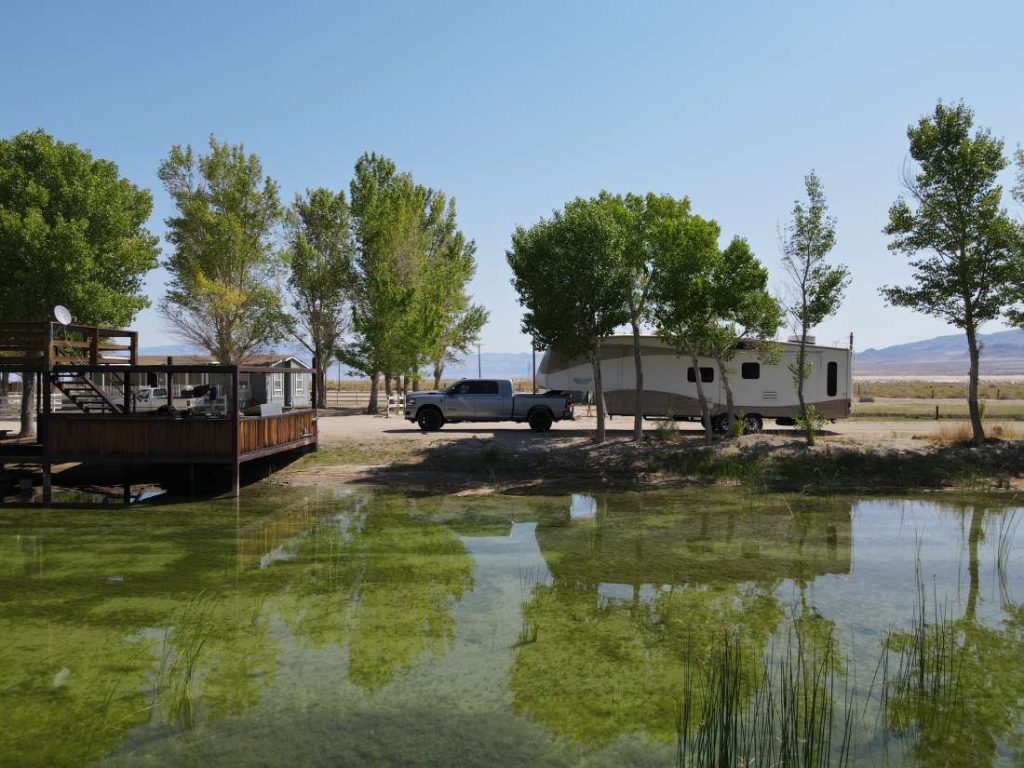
(972, 388)
(374, 382)
(802, 377)
(730, 408)
(973, 568)
(438, 373)
(416, 384)
(638, 414)
(595, 361)
(28, 404)
(389, 385)
(704, 414)
(321, 386)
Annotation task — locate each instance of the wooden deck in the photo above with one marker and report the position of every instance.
(155, 438)
(108, 427)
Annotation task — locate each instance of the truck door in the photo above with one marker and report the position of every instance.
(458, 402)
(488, 404)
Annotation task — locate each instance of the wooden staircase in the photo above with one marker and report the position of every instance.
(86, 396)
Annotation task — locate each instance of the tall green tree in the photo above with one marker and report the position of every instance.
(963, 247)
(572, 299)
(817, 286)
(746, 311)
(412, 265)
(320, 253)
(223, 294)
(72, 232)
(684, 296)
(637, 217)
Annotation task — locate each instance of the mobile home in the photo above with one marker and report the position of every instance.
(762, 389)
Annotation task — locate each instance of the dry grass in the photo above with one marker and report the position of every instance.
(1001, 389)
(960, 432)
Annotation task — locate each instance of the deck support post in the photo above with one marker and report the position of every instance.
(235, 479)
(126, 486)
(47, 487)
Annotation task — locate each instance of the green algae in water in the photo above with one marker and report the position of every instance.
(317, 628)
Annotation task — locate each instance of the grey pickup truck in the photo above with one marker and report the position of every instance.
(486, 400)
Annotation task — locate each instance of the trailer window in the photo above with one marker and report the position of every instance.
(750, 370)
(832, 376)
(706, 375)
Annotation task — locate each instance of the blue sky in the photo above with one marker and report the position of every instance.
(514, 108)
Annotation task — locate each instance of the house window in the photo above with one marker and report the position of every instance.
(832, 379)
(750, 370)
(706, 374)
(300, 383)
(278, 380)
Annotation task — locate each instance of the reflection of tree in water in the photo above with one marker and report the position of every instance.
(593, 667)
(956, 695)
(165, 620)
(384, 586)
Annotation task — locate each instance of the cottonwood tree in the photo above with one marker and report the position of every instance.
(461, 333)
(817, 286)
(412, 265)
(320, 251)
(636, 217)
(572, 299)
(746, 312)
(223, 295)
(963, 247)
(72, 232)
(683, 298)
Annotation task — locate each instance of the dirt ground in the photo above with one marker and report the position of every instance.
(339, 430)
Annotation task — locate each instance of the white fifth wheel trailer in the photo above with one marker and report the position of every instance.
(761, 390)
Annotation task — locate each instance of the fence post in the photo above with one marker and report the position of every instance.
(936, 413)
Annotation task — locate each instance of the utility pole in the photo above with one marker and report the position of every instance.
(479, 363)
(533, 353)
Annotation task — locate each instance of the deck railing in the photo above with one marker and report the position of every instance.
(266, 432)
(40, 346)
(150, 437)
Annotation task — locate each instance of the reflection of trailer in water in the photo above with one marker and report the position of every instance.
(760, 389)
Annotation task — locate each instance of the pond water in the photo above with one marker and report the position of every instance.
(350, 628)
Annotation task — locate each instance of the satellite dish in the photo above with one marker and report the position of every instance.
(62, 314)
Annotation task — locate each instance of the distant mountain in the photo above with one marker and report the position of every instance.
(499, 365)
(1002, 353)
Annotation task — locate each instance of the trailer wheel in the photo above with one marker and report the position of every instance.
(752, 423)
(429, 419)
(540, 420)
(720, 423)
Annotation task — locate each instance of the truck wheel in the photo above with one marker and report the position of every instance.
(540, 421)
(752, 424)
(430, 419)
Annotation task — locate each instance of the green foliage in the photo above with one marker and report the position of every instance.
(810, 422)
(72, 232)
(412, 265)
(566, 270)
(806, 242)
(967, 241)
(684, 300)
(320, 253)
(965, 250)
(818, 287)
(223, 295)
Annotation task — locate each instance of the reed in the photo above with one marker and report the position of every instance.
(782, 713)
